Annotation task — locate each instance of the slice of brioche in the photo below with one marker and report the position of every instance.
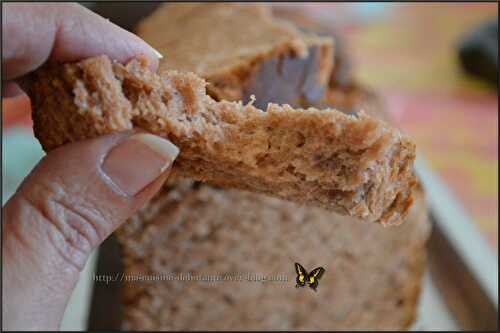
(354, 165)
(241, 50)
(372, 280)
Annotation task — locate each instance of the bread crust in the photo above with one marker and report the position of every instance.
(354, 165)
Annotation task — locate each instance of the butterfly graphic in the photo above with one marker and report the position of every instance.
(304, 278)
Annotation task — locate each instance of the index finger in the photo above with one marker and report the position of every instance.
(32, 33)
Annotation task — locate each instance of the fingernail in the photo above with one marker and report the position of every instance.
(157, 53)
(138, 161)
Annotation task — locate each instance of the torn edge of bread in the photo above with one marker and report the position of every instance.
(353, 165)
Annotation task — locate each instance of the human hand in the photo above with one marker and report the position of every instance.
(80, 193)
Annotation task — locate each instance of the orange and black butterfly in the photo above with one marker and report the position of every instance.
(311, 279)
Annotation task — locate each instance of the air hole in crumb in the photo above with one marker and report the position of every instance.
(130, 90)
(261, 159)
(196, 185)
(228, 299)
(301, 140)
(165, 98)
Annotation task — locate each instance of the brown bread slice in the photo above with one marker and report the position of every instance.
(241, 50)
(372, 278)
(354, 165)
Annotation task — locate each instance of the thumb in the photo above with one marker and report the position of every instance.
(74, 198)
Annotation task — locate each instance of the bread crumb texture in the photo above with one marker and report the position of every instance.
(372, 278)
(352, 164)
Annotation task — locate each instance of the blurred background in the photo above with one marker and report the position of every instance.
(413, 55)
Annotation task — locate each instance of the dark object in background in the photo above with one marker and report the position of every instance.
(478, 52)
(106, 310)
(342, 76)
